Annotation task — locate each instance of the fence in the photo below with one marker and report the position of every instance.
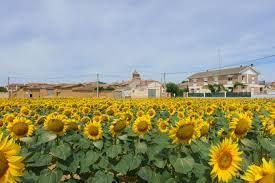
(221, 94)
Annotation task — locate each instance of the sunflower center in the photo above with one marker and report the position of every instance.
(20, 129)
(163, 126)
(56, 125)
(119, 126)
(204, 131)
(209, 109)
(267, 178)
(225, 160)
(4, 165)
(242, 127)
(151, 113)
(142, 126)
(93, 131)
(1, 123)
(185, 132)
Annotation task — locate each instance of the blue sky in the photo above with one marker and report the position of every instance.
(70, 41)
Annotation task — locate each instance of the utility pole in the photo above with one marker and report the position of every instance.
(97, 87)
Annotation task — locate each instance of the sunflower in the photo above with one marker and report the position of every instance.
(20, 127)
(269, 124)
(85, 119)
(260, 174)
(117, 127)
(25, 111)
(185, 130)
(240, 125)
(56, 124)
(93, 130)
(40, 120)
(172, 111)
(204, 128)
(72, 125)
(11, 166)
(151, 112)
(140, 113)
(180, 114)
(163, 126)
(225, 160)
(104, 118)
(97, 119)
(8, 118)
(142, 125)
(86, 110)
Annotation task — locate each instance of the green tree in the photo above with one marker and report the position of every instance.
(173, 88)
(215, 88)
(3, 89)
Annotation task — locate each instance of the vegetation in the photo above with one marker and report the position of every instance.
(145, 140)
(215, 88)
(3, 89)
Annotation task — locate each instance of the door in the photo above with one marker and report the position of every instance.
(152, 93)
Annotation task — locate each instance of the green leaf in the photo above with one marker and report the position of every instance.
(123, 137)
(51, 177)
(267, 144)
(135, 163)
(113, 151)
(249, 143)
(145, 173)
(28, 140)
(91, 157)
(62, 151)
(98, 144)
(159, 163)
(101, 177)
(141, 147)
(39, 160)
(124, 164)
(84, 143)
(183, 165)
(46, 137)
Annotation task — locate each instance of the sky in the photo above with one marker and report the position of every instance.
(70, 41)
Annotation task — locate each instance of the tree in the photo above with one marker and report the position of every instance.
(173, 88)
(215, 88)
(3, 89)
(238, 84)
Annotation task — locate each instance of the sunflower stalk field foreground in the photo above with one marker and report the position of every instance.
(146, 140)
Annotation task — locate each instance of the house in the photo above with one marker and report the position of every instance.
(236, 79)
(43, 90)
(138, 88)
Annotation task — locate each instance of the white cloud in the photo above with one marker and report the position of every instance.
(69, 38)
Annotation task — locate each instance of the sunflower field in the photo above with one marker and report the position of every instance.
(145, 140)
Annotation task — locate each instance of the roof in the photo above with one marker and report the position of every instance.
(227, 71)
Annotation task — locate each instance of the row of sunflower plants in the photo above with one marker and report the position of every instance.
(166, 140)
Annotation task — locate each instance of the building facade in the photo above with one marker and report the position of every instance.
(237, 79)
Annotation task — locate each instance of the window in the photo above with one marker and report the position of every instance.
(243, 77)
(229, 78)
(50, 92)
(205, 81)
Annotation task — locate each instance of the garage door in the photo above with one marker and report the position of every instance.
(152, 93)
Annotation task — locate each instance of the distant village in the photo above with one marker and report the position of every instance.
(242, 79)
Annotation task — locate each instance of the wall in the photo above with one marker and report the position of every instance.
(4, 95)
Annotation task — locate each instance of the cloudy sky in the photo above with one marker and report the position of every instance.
(70, 41)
